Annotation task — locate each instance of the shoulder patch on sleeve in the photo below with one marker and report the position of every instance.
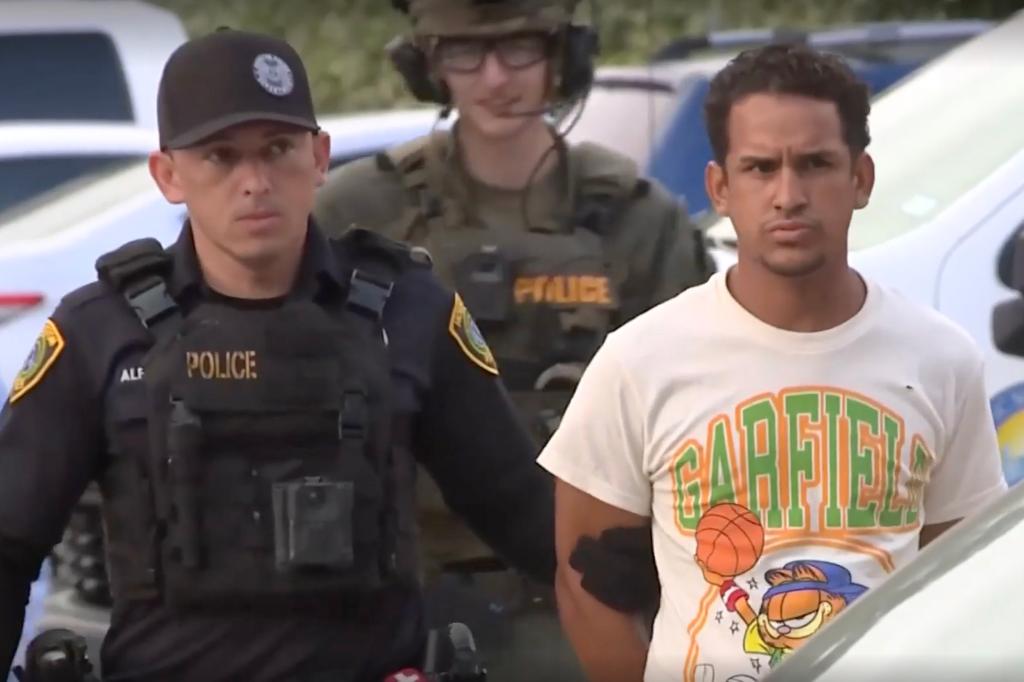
(44, 353)
(463, 329)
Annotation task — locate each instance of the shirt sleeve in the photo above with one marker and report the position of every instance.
(599, 445)
(473, 443)
(47, 455)
(969, 470)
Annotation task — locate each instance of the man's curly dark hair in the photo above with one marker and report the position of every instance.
(788, 70)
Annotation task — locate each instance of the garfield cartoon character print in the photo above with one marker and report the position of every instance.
(802, 596)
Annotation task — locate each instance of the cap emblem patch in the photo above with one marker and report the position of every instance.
(273, 74)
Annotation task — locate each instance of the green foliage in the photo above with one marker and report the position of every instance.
(342, 41)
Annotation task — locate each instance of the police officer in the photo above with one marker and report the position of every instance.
(252, 402)
(551, 245)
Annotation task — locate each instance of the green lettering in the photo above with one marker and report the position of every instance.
(891, 518)
(762, 463)
(801, 453)
(722, 489)
(862, 463)
(919, 462)
(690, 457)
(833, 513)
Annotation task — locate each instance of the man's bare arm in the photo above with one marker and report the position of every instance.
(609, 644)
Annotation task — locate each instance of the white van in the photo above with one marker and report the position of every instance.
(84, 60)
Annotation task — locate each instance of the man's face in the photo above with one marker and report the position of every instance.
(499, 84)
(789, 184)
(249, 189)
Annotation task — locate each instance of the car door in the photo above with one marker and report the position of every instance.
(970, 286)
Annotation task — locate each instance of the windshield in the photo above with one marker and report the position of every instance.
(24, 179)
(940, 133)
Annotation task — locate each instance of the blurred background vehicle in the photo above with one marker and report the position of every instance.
(75, 60)
(654, 113)
(36, 158)
(948, 202)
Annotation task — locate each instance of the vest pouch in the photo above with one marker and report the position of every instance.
(275, 488)
(313, 524)
(127, 509)
(286, 515)
(484, 280)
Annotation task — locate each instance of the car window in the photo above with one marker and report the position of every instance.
(942, 132)
(62, 76)
(24, 179)
(684, 149)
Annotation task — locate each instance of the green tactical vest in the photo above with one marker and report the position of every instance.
(546, 295)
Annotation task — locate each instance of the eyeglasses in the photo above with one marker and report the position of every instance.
(515, 51)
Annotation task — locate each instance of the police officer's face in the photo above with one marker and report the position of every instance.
(499, 85)
(790, 183)
(249, 189)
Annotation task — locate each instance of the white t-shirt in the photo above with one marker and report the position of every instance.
(800, 465)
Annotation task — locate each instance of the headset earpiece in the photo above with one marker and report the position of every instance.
(580, 45)
(413, 64)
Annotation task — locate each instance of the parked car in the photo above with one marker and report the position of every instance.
(92, 60)
(51, 248)
(948, 202)
(654, 113)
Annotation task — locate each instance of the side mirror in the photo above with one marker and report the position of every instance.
(1008, 327)
(1010, 266)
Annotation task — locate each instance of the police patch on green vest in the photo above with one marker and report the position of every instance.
(44, 353)
(465, 332)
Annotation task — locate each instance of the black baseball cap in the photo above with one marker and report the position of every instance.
(230, 77)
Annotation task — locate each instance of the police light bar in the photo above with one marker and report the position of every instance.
(12, 305)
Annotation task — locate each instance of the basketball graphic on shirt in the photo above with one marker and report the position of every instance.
(729, 539)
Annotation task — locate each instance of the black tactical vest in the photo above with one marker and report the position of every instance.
(266, 476)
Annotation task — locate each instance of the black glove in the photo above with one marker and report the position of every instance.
(618, 569)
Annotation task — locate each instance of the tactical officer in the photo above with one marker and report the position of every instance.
(551, 245)
(252, 402)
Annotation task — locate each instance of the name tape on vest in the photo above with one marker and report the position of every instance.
(235, 365)
(564, 289)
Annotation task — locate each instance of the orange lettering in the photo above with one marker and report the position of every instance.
(523, 289)
(191, 362)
